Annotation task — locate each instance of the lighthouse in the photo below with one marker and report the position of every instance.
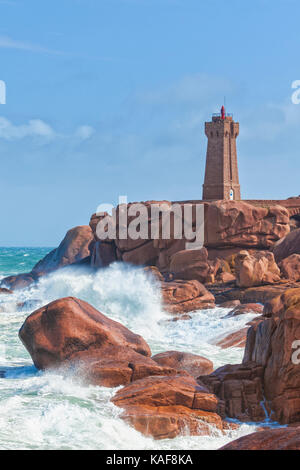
(221, 171)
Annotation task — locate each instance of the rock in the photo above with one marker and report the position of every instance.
(167, 249)
(263, 294)
(186, 296)
(239, 224)
(68, 328)
(146, 254)
(239, 388)
(269, 439)
(154, 273)
(237, 339)
(5, 291)
(256, 269)
(190, 264)
(164, 407)
(246, 308)
(192, 363)
(103, 254)
(115, 366)
(167, 422)
(75, 248)
(230, 304)
(19, 281)
(274, 345)
(226, 278)
(287, 246)
(290, 267)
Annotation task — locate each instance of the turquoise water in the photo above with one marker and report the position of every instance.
(19, 260)
(42, 410)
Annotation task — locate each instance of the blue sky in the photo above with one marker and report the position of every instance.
(109, 98)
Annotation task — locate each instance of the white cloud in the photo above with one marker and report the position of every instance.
(34, 128)
(84, 132)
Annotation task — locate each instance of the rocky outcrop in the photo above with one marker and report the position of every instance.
(164, 407)
(229, 226)
(290, 267)
(75, 248)
(269, 439)
(239, 389)
(256, 269)
(72, 334)
(287, 246)
(103, 254)
(186, 296)
(192, 363)
(236, 223)
(274, 344)
(237, 339)
(242, 309)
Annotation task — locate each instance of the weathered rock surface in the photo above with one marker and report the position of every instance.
(186, 296)
(190, 265)
(290, 267)
(230, 304)
(246, 308)
(274, 345)
(287, 246)
(164, 407)
(115, 366)
(239, 388)
(75, 247)
(239, 224)
(192, 363)
(237, 339)
(103, 254)
(256, 269)
(67, 327)
(269, 439)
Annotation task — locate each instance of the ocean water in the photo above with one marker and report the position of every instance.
(42, 410)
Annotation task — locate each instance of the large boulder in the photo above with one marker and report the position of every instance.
(274, 344)
(290, 267)
(191, 363)
(164, 407)
(75, 247)
(237, 223)
(269, 439)
(186, 296)
(69, 331)
(287, 246)
(190, 264)
(256, 269)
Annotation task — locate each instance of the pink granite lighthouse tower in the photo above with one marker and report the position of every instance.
(221, 172)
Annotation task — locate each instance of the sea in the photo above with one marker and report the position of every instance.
(44, 410)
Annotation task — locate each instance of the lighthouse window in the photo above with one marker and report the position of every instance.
(231, 194)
